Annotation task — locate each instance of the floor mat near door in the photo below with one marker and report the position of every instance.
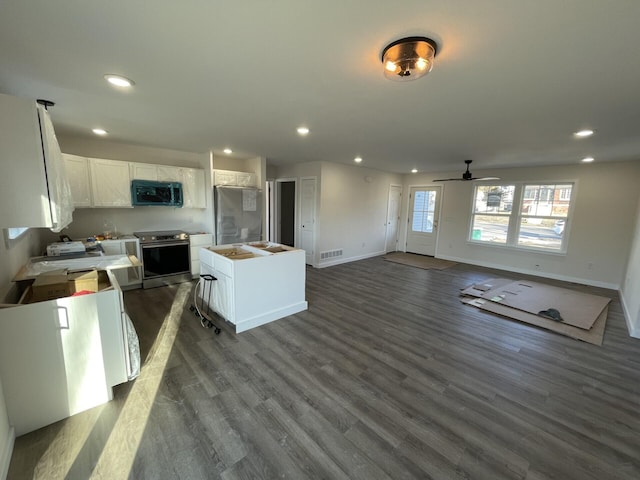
(420, 261)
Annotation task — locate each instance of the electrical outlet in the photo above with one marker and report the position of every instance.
(537, 267)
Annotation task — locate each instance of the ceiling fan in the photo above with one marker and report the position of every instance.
(466, 176)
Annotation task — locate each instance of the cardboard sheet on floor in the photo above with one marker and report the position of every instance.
(479, 289)
(577, 309)
(595, 335)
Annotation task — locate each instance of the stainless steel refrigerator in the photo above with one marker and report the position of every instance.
(238, 214)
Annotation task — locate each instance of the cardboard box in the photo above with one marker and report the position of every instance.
(48, 286)
(86, 280)
(52, 285)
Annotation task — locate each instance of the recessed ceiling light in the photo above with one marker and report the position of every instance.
(587, 160)
(415, 170)
(99, 131)
(357, 159)
(303, 131)
(228, 151)
(584, 133)
(119, 80)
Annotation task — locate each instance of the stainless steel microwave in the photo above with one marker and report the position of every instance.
(147, 192)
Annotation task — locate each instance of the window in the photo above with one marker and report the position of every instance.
(531, 216)
(13, 233)
(424, 204)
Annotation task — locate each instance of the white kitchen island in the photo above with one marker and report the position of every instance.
(255, 283)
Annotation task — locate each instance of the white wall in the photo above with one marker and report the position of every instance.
(601, 228)
(353, 211)
(630, 292)
(351, 208)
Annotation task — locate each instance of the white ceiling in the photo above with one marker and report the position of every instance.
(512, 79)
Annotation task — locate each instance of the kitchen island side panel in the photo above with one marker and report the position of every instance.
(268, 288)
(253, 291)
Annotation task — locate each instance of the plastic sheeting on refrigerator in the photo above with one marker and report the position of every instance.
(238, 214)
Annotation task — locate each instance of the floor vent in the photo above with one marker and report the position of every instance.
(330, 254)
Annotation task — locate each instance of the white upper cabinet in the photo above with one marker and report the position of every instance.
(143, 171)
(234, 179)
(34, 181)
(246, 179)
(194, 188)
(192, 180)
(78, 175)
(98, 182)
(167, 173)
(110, 183)
(224, 177)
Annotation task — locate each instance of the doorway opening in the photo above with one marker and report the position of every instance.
(285, 227)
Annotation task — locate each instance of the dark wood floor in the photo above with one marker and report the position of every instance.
(387, 375)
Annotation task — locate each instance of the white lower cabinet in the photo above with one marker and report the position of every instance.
(61, 357)
(196, 242)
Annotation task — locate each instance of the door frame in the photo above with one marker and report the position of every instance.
(315, 218)
(276, 213)
(408, 210)
(386, 233)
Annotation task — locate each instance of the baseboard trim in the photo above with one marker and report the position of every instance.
(5, 457)
(535, 273)
(270, 316)
(350, 259)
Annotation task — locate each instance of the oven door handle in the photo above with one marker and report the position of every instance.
(155, 245)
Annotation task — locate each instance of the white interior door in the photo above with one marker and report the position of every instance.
(424, 214)
(393, 217)
(308, 217)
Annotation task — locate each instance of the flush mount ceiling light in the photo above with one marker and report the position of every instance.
(303, 131)
(587, 160)
(119, 80)
(228, 151)
(357, 159)
(409, 58)
(99, 131)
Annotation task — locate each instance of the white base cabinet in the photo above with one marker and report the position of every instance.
(196, 242)
(61, 357)
(250, 292)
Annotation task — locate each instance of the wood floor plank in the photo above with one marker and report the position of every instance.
(386, 375)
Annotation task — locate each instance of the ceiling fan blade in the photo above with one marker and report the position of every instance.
(466, 176)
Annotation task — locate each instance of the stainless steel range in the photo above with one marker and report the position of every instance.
(165, 257)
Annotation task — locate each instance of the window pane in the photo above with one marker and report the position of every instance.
(490, 228)
(424, 204)
(546, 200)
(494, 199)
(14, 233)
(543, 233)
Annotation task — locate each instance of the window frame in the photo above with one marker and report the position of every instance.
(13, 235)
(516, 216)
